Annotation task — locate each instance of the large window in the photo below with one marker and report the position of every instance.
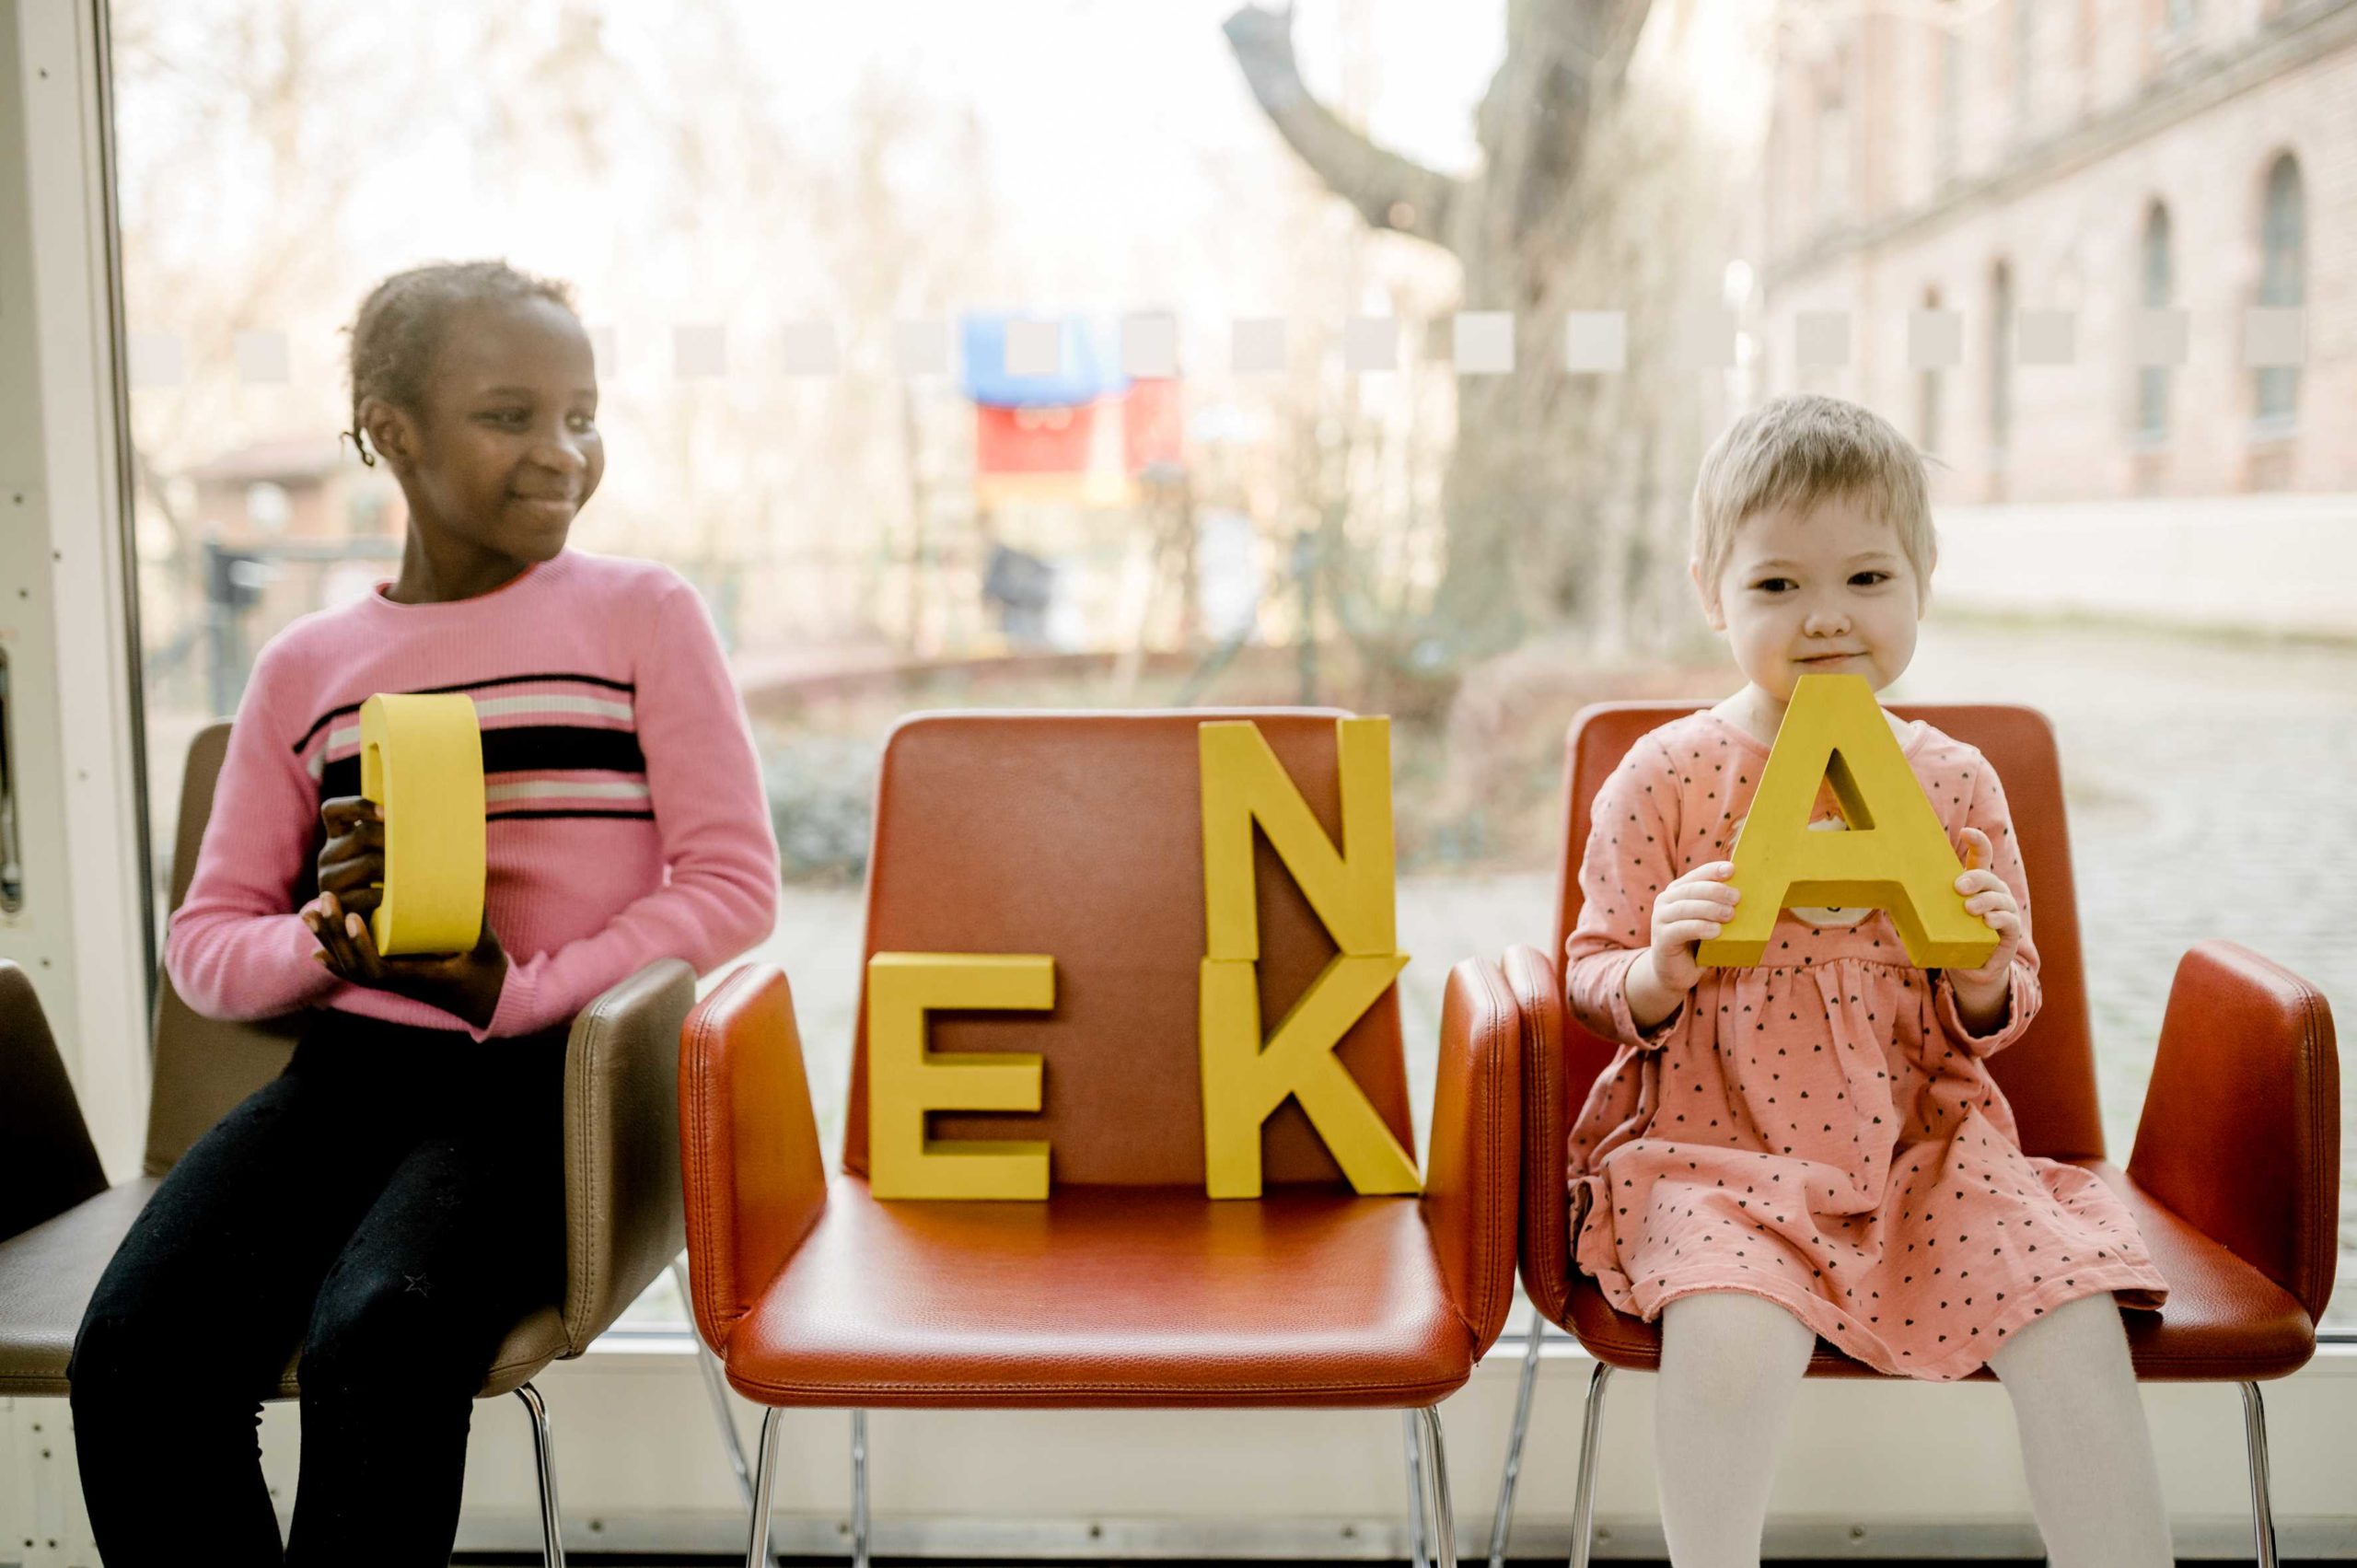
(1387, 339)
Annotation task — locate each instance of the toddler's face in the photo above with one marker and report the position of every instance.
(1825, 590)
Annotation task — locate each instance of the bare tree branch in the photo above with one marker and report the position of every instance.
(1390, 191)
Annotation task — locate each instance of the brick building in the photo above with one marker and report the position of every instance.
(2020, 204)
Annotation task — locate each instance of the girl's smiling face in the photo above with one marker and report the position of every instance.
(506, 450)
(1819, 590)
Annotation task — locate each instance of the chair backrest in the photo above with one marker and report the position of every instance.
(47, 1161)
(203, 1066)
(2049, 1074)
(1080, 836)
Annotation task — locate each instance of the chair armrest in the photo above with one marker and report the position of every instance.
(622, 1156)
(1476, 1156)
(1538, 991)
(2241, 1129)
(749, 1145)
(47, 1161)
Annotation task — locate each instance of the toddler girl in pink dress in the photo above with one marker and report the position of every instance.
(1812, 1147)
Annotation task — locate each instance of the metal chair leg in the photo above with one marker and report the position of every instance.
(545, 1454)
(1504, 1518)
(715, 1388)
(1413, 1433)
(2263, 1506)
(757, 1547)
(1443, 1512)
(1584, 1499)
(859, 1489)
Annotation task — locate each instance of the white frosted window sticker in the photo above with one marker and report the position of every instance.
(1371, 342)
(1935, 339)
(807, 348)
(1482, 342)
(1595, 341)
(1256, 347)
(921, 348)
(2163, 337)
(1822, 337)
(157, 359)
(1150, 345)
(1034, 348)
(2047, 337)
(699, 350)
(263, 358)
(2272, 338)
(1710, 340)
(604, 350)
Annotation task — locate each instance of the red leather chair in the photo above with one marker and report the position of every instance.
(1080, 836)
(2234, 1180)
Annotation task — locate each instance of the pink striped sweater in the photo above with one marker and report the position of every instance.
(626, 815)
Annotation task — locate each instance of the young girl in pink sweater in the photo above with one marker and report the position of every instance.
(391, 1205)
(1812, 1147)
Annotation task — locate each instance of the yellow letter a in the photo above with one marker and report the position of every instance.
(1895, 857)
(1244, 1083)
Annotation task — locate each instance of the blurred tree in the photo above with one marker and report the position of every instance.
(1562, 491)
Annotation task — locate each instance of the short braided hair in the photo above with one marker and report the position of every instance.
(400, 324)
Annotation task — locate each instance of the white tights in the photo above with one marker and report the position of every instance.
(1730, 1362)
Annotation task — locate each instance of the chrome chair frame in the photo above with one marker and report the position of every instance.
(1427, 1469)
(1422, 1553)
(2262, 1509)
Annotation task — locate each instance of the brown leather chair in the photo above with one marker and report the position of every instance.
(621, 1176)
(2234, 1181)
(1080, 836)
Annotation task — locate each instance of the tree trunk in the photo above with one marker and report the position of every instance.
(1522, 487)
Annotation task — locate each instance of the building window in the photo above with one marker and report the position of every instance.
(2025, 52)
(2152, 380)
(1949, 132)
(1927, 392)
(2001, 360)
(2180, 15)
(2283, 283)
(1833, 150)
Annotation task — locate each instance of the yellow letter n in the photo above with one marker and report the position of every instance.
(1351, 890)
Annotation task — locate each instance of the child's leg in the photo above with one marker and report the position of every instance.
(195, 1316)
(2093, 1484)
(1730, 1362)
(466, 1239)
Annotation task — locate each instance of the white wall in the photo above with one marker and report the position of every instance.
(2266, 564)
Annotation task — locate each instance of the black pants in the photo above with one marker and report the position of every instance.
(392, 1205)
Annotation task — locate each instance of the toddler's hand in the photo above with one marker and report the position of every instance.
(1696, 906)
(1986, 895)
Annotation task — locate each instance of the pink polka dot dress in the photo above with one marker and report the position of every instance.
(1820, 1130)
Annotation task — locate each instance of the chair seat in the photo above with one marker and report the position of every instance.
(1296, 1299)
(2224, 1321)
(48, 1274)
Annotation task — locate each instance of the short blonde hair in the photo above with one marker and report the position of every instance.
(1801, 450)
